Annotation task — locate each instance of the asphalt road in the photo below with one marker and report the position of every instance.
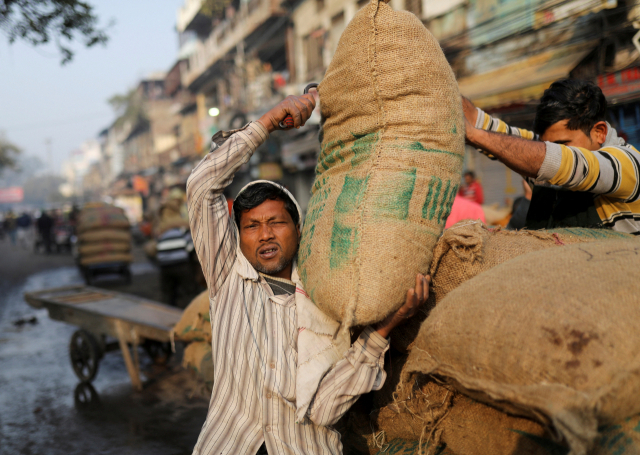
(43, 408)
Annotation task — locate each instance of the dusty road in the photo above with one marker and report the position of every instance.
(44, 410)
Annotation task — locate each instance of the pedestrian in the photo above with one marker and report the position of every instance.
(471, 189)
(262, 321)
(23, 225)
(585, 175)
(45, 230)
(10, 226)
(464, 209)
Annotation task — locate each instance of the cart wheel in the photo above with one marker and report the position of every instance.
(85, 396)
(159, 352)
(85, 355)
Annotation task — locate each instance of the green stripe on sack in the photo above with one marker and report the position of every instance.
(395, 196)
(343, 243)
(431, 202)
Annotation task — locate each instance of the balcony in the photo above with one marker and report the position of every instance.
(225, 37)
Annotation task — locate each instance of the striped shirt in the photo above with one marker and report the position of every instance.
(255, 334)
(612, 173)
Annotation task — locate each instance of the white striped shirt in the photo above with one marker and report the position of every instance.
(254, 333)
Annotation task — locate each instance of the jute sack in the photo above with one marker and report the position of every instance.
(389, 169)
(87, 249)
(552, 335)
(622, 438)
(195, 322)
(469, 248)
(105, 235)
(106, 216)
(197, 358)
(435, 414)
(103, 258)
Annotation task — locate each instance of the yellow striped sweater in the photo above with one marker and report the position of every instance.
(611, 173)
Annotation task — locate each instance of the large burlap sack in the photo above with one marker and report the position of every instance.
(197, 358)
(88, 249)
(469, 248)
(434, 413)
(195, 322)
(171, 223)
(552, 335)
(389, 168)
(105, 235)
(622, 438)
(105, 258)
(104, 216)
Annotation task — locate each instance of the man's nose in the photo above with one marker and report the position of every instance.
(266, 233)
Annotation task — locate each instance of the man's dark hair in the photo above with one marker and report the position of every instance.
(471, 173)
(581, 102)
(260, 192)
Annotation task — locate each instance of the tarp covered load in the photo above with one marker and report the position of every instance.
(104, 235)
(392, 152)
(551, 335)
(469, 248)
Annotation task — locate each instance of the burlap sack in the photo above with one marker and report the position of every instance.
(171, 223)
(469, 248)
(105, 235)
(622, 438)
(552, 335)
(197, 358)
(105, 258)
(389, 168)
(101, 217)
(434, 413)
(195, 322)
(88, 249)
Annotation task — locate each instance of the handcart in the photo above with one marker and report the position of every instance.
(103, 316)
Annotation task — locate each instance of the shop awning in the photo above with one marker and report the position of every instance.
(522, 81)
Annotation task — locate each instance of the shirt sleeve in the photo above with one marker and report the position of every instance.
(214, 234)
(488, 123)
(359, 372)
(612, 170)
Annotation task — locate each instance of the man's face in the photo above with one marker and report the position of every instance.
(269, 238)
(468, 179)
(560, 134)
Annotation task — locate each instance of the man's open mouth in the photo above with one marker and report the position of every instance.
(268, 252)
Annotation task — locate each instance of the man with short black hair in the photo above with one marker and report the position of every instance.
(281, 378)
(585, 175)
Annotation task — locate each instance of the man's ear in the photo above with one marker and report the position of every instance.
(599, 132)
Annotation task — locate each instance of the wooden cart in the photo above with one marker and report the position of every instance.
(101, 315)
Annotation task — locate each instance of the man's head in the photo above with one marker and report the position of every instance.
(469, 177)
(269, 225)
(572, 112)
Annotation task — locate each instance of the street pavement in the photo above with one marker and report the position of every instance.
(43, 408)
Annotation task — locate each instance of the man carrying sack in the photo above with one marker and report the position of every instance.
(585, 175)
(283, 371)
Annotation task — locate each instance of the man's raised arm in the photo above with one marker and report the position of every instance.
(214, 234)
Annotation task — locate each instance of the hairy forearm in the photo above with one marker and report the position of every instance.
(521, 155)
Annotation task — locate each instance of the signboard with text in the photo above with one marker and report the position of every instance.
(11, 195)
(621, 83)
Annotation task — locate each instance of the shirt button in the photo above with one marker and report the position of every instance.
(272, 365)
(267, 429)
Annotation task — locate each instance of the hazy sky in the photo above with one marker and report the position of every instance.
(40, 99)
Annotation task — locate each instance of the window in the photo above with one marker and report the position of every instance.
(314, 46)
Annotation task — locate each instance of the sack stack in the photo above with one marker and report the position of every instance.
(194, 328)
(104, 235)
(469, 248)
(391, 160)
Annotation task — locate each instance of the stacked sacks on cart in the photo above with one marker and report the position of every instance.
(536, 355)
(469, 248)
(104, 235)
(194, 328)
